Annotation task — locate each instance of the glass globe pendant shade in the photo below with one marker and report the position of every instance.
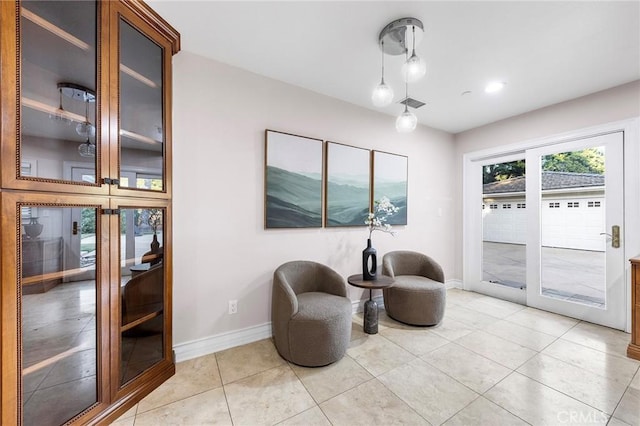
(406, 122)
(414, 69)
(86, 129)
(382, 95)
(87, 149)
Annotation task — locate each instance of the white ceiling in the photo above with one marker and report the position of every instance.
(547, 52)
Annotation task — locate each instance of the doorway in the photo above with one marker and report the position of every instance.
(555, 238)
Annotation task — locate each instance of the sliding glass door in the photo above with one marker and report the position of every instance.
(545, 228)
(575, 212)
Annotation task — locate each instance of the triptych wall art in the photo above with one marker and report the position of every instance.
(310, 183)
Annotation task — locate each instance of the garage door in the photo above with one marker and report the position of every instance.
(574, 223)
(504, 222)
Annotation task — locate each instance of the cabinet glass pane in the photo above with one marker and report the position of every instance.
(142, 290)
(58, 300)
(141, 111)
(58, 88)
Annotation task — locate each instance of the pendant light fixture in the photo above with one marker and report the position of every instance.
(414, 68)
(60, 114)
(407, 121)
(87, 149)
(86, 129)
(401, 37)
(383, 93)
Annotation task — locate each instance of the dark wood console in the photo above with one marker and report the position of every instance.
(633, 351)
(41, 257)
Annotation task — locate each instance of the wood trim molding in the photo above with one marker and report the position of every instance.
(146, 13)
(633, 351)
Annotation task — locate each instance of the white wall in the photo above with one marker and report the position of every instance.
(221, 249)
(610, 105)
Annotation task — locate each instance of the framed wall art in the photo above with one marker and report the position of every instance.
(390, 176)
(293, 181)
(348, 187)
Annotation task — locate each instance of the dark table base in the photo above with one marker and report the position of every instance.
(370, 317)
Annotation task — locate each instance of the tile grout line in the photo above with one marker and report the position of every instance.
(224, 390)
(565, 394)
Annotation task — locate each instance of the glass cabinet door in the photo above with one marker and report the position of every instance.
(60, 286)
(59, 93)
(142, 153)
(142, 290)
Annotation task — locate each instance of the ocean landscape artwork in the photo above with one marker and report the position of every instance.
(348, 185)
(390, 174)
(293, 181)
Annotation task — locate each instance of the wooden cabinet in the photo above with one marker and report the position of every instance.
(85, 148)
(633, 351)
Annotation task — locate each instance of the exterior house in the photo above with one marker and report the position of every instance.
(571, 204)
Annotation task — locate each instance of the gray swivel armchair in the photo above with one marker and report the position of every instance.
(310, 313)
(418, 295)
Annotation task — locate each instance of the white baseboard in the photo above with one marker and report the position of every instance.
(231, 339)
(453, 283)
(220, 342)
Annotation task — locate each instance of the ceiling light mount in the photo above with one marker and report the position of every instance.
(397, 36)
(77, 92)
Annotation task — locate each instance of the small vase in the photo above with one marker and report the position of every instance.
(369, 262)
(33, 228)
(155, 245)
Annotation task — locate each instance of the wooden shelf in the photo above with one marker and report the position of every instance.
(50, 109)
(55, 275)
(146, 317)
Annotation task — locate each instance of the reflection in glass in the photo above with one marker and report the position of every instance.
(58, 313)
(142, 290)
(504, 224)
(141, 111)
(58, 87)
(572, 218)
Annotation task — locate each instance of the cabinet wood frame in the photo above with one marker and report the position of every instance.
(113, 399)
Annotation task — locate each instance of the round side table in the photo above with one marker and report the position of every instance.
(370, 306)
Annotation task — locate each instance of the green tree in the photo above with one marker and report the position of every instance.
(590, 160)
(88, 221)
(502, 171)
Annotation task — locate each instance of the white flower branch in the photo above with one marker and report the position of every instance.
(382, 209)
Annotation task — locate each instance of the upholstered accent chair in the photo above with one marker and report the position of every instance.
(418, 295)
(143, 302)
(310, 313)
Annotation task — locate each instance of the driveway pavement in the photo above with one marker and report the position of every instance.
(576, 275)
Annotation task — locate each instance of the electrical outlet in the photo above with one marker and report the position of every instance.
(233, 306)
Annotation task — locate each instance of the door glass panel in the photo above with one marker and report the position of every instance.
(572, 222)
(142, 290)
(58, 304)
(504, 224)
(58, 87)
(141, 107)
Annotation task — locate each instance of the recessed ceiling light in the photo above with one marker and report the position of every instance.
(495, 86)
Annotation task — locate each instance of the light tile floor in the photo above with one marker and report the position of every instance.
(511, 365)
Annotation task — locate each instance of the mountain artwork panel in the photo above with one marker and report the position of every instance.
(390, 175)
(293, 181)
(348, 185)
